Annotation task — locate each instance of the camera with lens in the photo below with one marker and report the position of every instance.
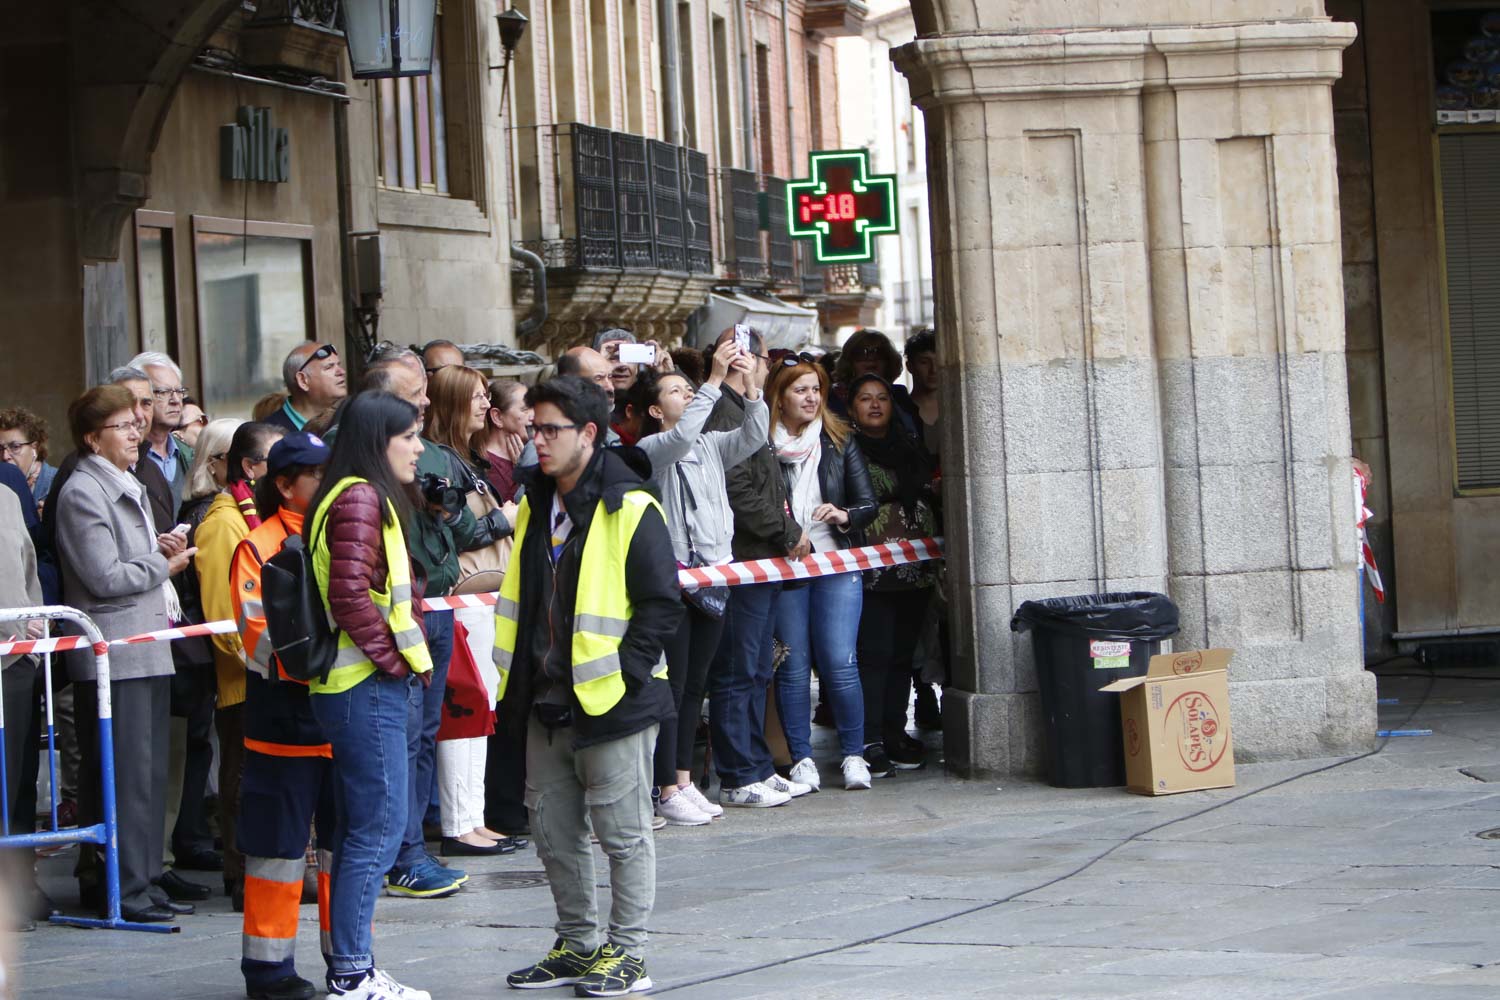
(439, 492)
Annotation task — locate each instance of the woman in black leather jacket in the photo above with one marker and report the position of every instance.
(829, 492)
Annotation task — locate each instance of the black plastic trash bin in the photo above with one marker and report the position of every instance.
(1081, 644)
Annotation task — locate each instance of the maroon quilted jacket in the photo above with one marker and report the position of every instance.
(356, 566)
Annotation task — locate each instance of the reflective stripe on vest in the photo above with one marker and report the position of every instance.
(351, 665)
(508, 605)
(601, 611)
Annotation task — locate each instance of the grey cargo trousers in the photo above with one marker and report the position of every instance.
(606, 788)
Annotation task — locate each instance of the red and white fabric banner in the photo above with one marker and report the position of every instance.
(737, 574)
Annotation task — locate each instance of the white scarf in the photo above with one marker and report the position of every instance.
(132, 488)
(801, 453)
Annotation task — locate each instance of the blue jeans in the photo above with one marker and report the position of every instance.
(421, 753)
(737, 692)
(368, 727)
(821, 621)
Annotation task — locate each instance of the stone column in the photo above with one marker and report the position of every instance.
(1140, 321)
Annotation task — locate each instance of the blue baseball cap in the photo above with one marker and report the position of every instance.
(302, 448)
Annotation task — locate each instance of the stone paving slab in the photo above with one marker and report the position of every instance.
(1363, 881)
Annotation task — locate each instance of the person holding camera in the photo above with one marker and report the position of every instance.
(456, 420)
(441, 527)
(689, 464)
(589, 601)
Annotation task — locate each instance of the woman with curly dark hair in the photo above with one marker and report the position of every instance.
(23, 443)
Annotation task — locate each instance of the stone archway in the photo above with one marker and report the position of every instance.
(1136, 242)
(127, 60)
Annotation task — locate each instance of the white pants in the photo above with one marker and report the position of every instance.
(460, 763)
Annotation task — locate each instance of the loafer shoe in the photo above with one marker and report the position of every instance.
(149, 915)
(455, 848)
(181, 889)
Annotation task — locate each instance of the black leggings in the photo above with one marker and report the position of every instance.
(889, 627)
(689, 654)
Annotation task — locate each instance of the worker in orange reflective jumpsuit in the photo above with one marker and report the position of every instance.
(288, 778)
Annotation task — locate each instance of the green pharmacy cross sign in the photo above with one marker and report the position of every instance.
(842, 207)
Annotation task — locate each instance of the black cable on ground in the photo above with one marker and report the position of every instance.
(1085, 866)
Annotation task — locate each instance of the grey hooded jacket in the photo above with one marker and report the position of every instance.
(687, 453)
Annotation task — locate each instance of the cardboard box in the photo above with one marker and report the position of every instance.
(1176, 722)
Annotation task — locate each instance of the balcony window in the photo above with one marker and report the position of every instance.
(411, 117)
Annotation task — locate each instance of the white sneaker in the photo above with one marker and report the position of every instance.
(856, 773)
(712, 809)
(792, 788)
(805, 772)
(680, 811)
(756, 795)
(379, 986)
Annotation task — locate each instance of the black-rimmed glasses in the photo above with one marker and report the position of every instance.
(549, 432)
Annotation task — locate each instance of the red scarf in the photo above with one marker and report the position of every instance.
(244, 495)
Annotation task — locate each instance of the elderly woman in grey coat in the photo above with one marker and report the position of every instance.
(115, 569)
(688, 465)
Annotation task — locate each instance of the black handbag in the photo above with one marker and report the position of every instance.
(712, 601)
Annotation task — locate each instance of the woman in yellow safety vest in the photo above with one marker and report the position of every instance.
(372, 697)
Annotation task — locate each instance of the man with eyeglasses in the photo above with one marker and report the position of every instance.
(588, 601)
(315, 382)
(159, 444)
(190, 841)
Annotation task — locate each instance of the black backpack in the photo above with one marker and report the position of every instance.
(296, 621)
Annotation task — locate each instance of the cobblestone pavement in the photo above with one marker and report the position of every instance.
(1365, 880)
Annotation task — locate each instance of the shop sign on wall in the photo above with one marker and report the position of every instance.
(842, 207)
(252, 150)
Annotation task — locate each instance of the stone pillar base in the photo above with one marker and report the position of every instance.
(1298, 717)
(990, 735)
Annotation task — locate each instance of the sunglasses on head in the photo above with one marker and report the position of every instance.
(325, 351)
(793, 360)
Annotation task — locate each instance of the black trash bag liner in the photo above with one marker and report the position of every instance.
(1138, 615)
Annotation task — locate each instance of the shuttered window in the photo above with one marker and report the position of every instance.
(1470, 165)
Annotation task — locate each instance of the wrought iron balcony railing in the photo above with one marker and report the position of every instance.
(613, 200)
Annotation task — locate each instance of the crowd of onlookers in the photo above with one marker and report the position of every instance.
(413, 482)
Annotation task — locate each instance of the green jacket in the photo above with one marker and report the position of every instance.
(432, 542)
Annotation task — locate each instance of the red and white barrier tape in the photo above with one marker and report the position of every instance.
(729, 575)
(22, 647)
(817, 564)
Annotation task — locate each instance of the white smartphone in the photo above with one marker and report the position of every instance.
(742, 337)
(637, 354)
(181, 529)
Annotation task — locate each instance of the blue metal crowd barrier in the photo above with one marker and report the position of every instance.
(106, 833)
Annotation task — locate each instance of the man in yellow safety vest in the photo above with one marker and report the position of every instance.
(587, 603)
